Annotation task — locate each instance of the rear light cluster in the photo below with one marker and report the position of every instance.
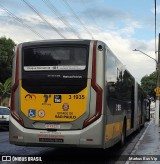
(98, 90)
(14, 88)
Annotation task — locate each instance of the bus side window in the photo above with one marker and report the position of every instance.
(111, 88)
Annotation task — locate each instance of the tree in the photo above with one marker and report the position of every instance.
(148, 84)
(5, 89)
(6, 53)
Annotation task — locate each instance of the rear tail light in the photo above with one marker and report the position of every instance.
(14, 88)
(98, 90)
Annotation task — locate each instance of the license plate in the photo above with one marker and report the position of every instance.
(52, 126)
(51, 140)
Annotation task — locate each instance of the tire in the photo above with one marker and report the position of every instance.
(123, 135)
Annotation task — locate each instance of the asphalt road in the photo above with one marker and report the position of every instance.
(114, 155)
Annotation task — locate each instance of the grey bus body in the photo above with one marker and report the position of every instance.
(114, 104)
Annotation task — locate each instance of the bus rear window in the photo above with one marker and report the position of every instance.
(54, 58)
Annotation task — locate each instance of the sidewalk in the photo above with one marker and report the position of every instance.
(147, 149)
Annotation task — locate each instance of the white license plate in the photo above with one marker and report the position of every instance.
(52, 126)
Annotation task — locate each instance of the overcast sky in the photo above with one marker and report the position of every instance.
(123, 25)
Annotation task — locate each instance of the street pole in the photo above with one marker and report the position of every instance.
(158, 85)
(158, 82)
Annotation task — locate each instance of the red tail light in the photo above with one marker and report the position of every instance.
(14, 88)
(98, 90)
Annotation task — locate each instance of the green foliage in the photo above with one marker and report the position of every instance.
(5, 88)
(6, 53)
(148, 84)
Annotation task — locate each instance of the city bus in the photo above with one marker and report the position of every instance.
(72, 93)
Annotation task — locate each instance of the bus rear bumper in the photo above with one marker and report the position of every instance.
(91, 136)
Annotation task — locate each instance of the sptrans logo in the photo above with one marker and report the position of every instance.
(57, 98)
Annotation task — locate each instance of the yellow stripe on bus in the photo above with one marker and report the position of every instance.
(128, 124)
(113, 130)
(54, 107)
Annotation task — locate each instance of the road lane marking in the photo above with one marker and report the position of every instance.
(138, 143)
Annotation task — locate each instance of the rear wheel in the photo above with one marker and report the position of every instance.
(123, 135)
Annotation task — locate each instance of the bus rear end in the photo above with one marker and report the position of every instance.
(56, 99)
